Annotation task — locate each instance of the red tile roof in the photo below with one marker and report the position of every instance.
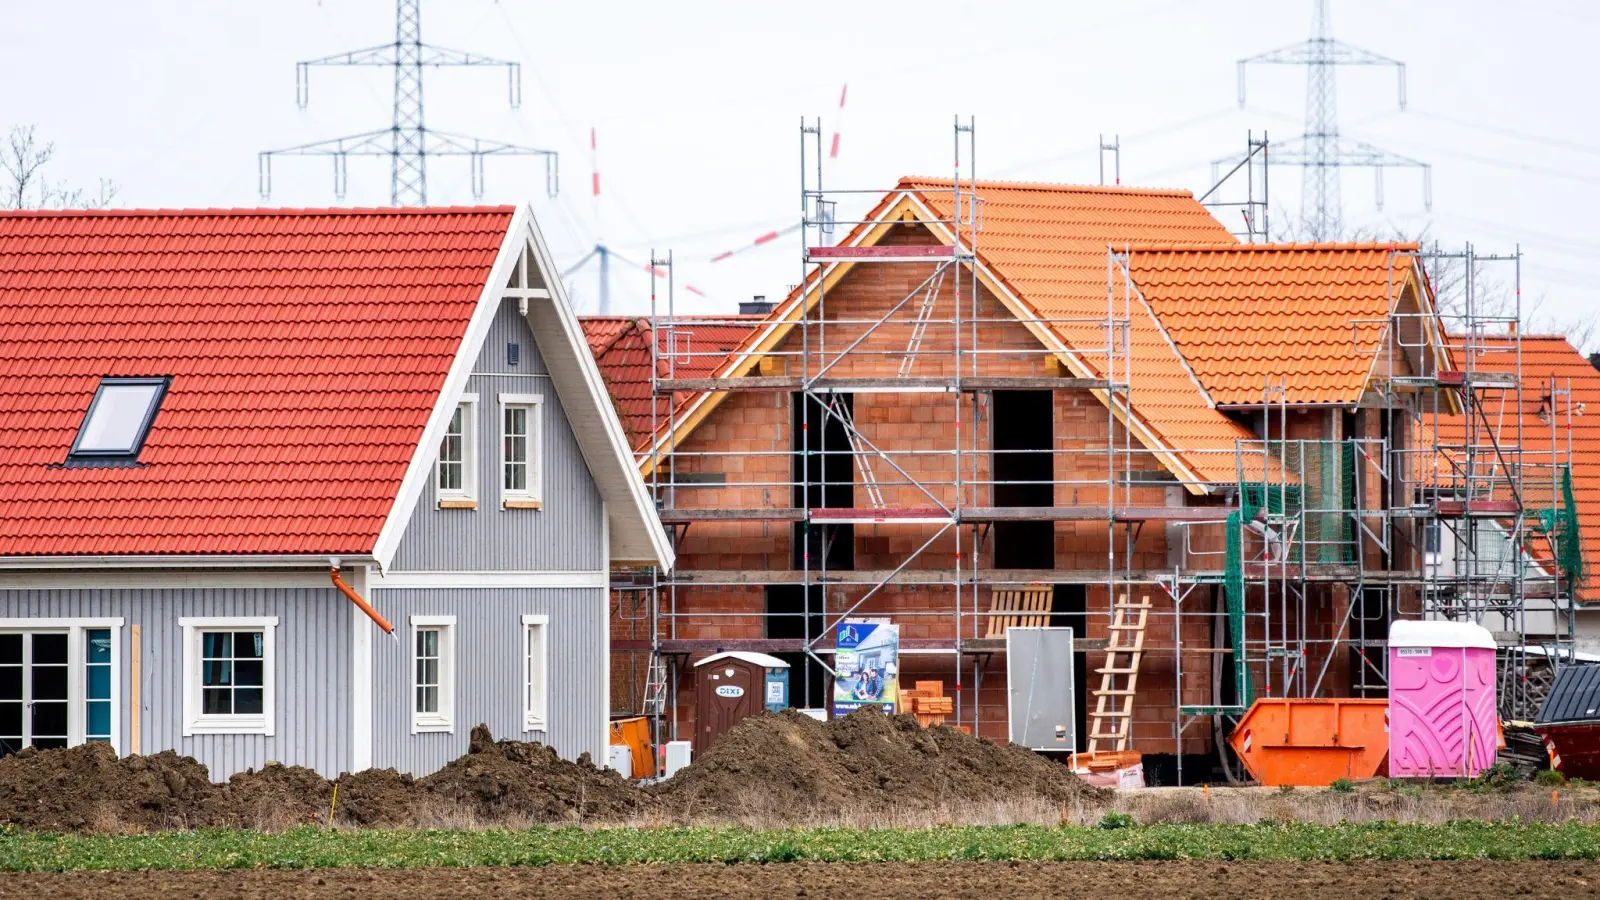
(1547, 360)
(306, 350)
(1312, 314)
(621, 348)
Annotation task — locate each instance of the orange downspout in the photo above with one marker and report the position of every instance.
(361, 604)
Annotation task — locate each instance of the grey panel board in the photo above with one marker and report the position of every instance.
(1039, 685)
(312, 669)
(488, 672)
(1575, 696)
(564, 535)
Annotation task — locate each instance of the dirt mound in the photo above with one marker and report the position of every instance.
(378, 798)
(88, 788)
(277, 797)
(500, 780)
(789, 764)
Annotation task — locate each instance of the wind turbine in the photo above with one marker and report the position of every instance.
(602, 254)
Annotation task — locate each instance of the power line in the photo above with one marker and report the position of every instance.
(408, 142)
(1320, 152)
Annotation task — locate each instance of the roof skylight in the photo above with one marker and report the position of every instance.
(119, 418)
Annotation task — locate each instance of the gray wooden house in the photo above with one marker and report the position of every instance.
(240, 448)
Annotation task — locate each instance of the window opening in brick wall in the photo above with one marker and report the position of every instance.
(1022, 423)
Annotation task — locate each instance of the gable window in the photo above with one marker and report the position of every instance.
(457, 474)
(228, 666)
(535, 673)
(521, 434)
(119, 418)
(432, 673)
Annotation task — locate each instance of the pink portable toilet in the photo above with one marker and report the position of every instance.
(1442, 717)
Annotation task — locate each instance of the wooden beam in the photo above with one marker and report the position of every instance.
(134, 744)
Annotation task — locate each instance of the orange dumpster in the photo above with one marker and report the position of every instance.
(635, 734)
(1312, 743)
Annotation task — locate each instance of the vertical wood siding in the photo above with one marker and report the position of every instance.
(488, 672)
(312, 668)
(564, 535)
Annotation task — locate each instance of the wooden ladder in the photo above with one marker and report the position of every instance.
(1124, 649)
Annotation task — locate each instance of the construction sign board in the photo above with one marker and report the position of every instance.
(866, 666)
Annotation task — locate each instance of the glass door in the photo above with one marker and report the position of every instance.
(35, 695)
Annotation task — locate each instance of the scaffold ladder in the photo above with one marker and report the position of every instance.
(858, 449)
(1119, 677)
(930, 299)
(655, 686)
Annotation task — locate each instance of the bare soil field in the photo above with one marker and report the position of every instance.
(953, 880)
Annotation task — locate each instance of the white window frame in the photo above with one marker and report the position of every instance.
(535, 655)
(533, 496)
(196, 722)
(76, 684)
(466, 497)
(444, 719)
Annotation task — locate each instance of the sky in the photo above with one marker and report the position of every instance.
(697, 104)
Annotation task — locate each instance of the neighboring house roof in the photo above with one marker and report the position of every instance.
(621, 348)
(315, 357)
(1043, 249)
(1547, 360)
(1313, 315)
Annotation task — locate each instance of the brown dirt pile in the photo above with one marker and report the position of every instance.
(771, 769)
(380, 798)
(791, 764)
(276, 797)
(87, 788)
(500, 780)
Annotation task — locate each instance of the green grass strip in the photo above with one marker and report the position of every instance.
(314, 848)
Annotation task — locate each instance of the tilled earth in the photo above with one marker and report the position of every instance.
(963, 880)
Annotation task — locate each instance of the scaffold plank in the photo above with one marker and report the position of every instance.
(1493, 508)
(920, 515)
(1094, 513)
(927, 576)
(1461, 378)
(723, 514)
(908, 384)
(885, 253)
(798, 645)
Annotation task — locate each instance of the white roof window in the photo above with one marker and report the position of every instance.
(119, 419)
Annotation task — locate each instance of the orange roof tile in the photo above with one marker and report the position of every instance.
(1048, 245)
(1312, 314)
(1547, 360)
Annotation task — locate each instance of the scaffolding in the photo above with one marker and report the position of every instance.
(1418, 504)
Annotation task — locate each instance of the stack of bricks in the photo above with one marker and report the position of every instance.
(928, 703)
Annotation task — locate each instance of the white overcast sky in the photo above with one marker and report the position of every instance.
(697, 105)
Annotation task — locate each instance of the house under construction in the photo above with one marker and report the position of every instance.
(1226, 466)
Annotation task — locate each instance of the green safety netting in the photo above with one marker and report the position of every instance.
(1321, 498)
(1233, 587)
(1562, 522)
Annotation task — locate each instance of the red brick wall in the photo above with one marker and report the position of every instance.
(749, 423)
